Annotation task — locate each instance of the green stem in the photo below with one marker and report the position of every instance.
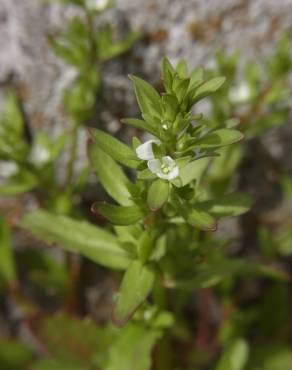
(91, 39)
(163, 360)
(72, 155)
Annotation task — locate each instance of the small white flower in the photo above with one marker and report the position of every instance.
(145, 151)
(165, 168)
(239, 94)
(8, 169)
(165, 126)
(39, 155)
(98, 5)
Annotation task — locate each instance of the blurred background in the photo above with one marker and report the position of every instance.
(64, 67)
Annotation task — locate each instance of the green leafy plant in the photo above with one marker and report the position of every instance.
(164, 212)
(87, 46)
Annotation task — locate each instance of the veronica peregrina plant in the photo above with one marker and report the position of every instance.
(165, 206)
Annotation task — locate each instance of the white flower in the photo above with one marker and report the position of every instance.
(8, 169)
(165, 168)
(239, 94)
(98, 5)
(145, 151)
(39, 155)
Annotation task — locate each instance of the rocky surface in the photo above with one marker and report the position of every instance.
(192, 29)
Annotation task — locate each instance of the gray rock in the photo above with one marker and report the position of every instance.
(191, 29)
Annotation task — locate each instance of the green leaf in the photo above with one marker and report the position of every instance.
(148, 98)
(79, 99)
(201, 219)
(119, 215)
(129, 234)
(208, 87)
(133, 346)
(193, 171)
(111, 176)
(219, 138)
(196, 77)
(109, 48)
(157, 194)
(136, 285)
(182, 89)
(235, 357)
(182, 69)
(140, 124)
(7, 263)
(145, 246)
(13, 145)
(226, 164)
(77, 236)
(227, 205)
(20, 183)
(167, 73)
(115, 148)
(211, 274)
(146, 174)
(13, 118)
(159, 249)
(170, 106)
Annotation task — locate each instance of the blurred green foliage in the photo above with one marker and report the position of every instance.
(100, 348)
(14, 355)
(7, 263)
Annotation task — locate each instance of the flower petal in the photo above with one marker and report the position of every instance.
(154, 166)
(168, 161)
(162, 175)
(173, 173)
(145, 151)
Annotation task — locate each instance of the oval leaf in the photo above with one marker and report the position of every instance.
(219, 138)
(115, 148)
(193, 171)
(145, 246)
(228, 205)
(201, 219)
(136, 285)
(140, 124)
(111, 176)
(208, 87)
(147, 97)
(157, 194)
